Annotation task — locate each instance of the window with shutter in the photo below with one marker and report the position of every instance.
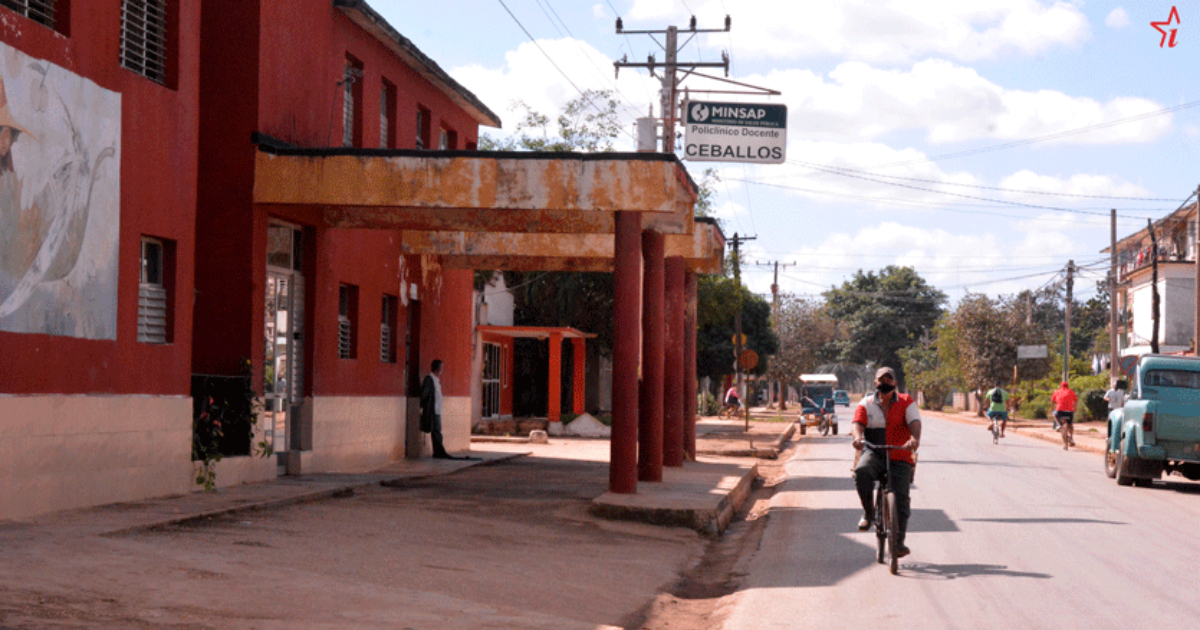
(152, 322)
(45, 12)
(144, 38)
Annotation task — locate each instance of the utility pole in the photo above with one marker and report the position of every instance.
(1067, 333)
(779, 392)
(670, 84)
(1153, 287)
(1196, 259)
(1114, 347)
(737, 320)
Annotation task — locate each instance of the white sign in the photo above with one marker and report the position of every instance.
(735, 132)
(1032, 352)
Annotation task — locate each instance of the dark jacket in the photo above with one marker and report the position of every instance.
(428, 393)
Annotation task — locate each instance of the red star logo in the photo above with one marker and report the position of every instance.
(1173, 18)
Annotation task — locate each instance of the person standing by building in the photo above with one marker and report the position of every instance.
(431, 409)
(1064, 412)
(1116, 396)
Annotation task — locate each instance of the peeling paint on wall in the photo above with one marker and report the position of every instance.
(59, 200)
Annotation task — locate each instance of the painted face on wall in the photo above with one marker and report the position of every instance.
(7, 137)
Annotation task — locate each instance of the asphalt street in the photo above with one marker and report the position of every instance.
(1015, 535)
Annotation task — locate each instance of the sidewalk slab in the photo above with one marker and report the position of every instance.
(702, 495)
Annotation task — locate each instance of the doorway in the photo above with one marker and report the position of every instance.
(283, 347)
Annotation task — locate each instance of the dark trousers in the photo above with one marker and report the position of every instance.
(871, 467)
(436, 434)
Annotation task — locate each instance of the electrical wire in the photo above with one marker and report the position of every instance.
(589, 101)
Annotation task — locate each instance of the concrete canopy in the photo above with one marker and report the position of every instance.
(495, 210)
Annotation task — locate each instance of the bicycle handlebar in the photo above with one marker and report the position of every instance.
(881, 447)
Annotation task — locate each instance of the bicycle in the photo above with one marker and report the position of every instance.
(730, 411)
(886, 517)
(995, 429)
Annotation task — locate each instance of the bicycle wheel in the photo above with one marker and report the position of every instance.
(824, 426)
(880, 525)
(995, 433)
(893, 537)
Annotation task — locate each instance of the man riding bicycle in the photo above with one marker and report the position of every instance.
(890, 418)
(732, 400)
(997, 400)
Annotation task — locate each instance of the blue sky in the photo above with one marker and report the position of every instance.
(981, 142)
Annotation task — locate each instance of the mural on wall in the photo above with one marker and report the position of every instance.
(60, 161)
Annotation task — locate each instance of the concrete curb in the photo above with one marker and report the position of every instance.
(296, 494)
(770, 452)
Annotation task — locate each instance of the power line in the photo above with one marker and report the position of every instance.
(589, 101)
(1052, 136)
(837, 170)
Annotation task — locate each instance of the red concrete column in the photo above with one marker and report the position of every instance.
(689, 365)
(673, 389)
(650, 426)
(554, 410)
(579, 345)
(627, 308)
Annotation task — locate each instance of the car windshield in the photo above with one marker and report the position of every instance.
(1184, 379)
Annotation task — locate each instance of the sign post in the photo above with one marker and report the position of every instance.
(735, 132)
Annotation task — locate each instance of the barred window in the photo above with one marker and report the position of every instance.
(352, 103)
(144, 38)
(387, 116)
(152, 321)
(422, 128)
(387, 328)
(347, 312)
(44, 12)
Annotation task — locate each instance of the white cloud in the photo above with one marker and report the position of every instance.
(1117, 18)
(950, 103)
(529, 75)
(881, 31)
(1078, 184)
(956, 262)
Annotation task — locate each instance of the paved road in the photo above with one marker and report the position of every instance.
(1020, 535)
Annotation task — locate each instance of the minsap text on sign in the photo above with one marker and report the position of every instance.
(735, 132)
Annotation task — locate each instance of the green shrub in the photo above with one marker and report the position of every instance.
(1037, 408)
(708, 405)
(1094, 406)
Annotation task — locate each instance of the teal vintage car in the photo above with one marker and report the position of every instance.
(1158, 430)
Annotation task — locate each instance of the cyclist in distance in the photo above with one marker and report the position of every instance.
(1064, 400)
(732, 400)
(997, 400)
(889, 418)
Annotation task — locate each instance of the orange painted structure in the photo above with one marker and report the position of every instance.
(504, 335)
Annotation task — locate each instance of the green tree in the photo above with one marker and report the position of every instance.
(589, 122)
(806, 339)
(882, 313)
(717, 300)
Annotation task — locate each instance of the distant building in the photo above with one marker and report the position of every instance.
(1177, 251)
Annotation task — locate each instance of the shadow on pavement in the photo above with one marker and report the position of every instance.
(1046, 520)
(955, 571)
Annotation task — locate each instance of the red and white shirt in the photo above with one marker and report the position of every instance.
(900, 415)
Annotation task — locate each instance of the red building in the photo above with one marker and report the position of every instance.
(208, 203)
(152, 268)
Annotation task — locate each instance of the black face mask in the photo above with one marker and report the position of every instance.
(885, 388)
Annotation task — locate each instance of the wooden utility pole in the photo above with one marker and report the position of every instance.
(1114, 347)
(1153, 287)
(1067, 332)
(669, 95)
(1196, 259)
(737, 321)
